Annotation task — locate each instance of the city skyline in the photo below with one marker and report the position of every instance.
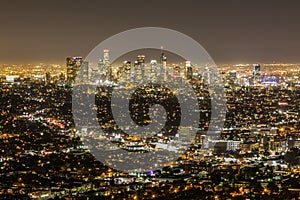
(149, 100)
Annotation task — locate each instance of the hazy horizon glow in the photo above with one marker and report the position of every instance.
(231, 31)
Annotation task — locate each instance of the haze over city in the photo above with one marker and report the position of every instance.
(231, 31)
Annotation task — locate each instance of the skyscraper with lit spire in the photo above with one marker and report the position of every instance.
(163, 64)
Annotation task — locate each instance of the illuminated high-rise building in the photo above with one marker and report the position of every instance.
(207, 76)
(163, 66)
(256, 74)
(139, 68)
(96, 72)
(106, 57)
(127, 65)
(163, 62)
(188, 70)
(101, 69)
(124, 72)
(136, 63)
(73, 66)
(189, 73)
(107, 65)
(85, 72)
(141, 59)
(153, 69)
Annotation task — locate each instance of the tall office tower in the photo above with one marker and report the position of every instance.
(124, 72)
(256, 74)
(207, 76)
(106, 57)
(127, 68)
(136, 64)
(101, 70)
(85, 72)
(163, 63)
(189, 73)
(141, 59)
(73, 66)
(163, 59)
(107, 65)
(176, 74)
(109, 74)
(187, 69)
(139, 68)
(137, 72)
(96, 72)
(153, 70)
(127, 65)
(163, 67)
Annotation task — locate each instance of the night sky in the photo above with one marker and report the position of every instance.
(34, 31)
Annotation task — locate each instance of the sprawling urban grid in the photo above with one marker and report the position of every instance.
(256, 155)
